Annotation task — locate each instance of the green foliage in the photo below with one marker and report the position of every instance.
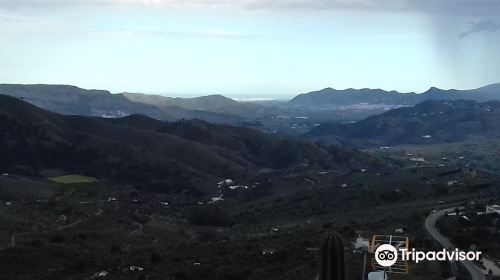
(204, 216)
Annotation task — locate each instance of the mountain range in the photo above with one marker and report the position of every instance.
(71, 100)
(295, 117)
(328, 97)
(431, 121)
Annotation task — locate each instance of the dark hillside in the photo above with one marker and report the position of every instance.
(145, 152)
(428, 122)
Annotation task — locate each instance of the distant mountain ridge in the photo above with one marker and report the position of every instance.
(71, 100)
(332, 97)
(295, 117)
(213, 103)
(432, 121)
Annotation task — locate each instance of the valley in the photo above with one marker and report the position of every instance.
(134, 197)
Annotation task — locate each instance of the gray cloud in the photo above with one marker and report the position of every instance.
(454, 7)
(487, 26)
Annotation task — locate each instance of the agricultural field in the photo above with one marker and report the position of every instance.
(73, 179)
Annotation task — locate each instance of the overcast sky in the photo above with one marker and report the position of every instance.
(250, 48)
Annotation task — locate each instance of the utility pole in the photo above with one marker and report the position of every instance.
(364, 266)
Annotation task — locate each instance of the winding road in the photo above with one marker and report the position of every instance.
(430, 226)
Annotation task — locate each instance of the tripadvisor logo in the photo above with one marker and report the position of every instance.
(387, 255)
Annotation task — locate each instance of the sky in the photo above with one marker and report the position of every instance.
(250, 48)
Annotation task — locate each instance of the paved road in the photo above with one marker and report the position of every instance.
(489, 264)
(430, 226)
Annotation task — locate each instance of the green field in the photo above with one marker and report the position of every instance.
(73, 179)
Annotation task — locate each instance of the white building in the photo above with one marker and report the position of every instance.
(216, 199)
(361, 244)
(490, 209)
(452, 183)
(134, 268)
(268, 252)
(226, 182)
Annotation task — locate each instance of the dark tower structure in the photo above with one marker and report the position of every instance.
(332, 258)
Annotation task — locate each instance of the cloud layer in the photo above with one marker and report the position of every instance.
(457, 7)
(487, 26)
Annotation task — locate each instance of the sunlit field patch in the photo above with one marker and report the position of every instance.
(73, 179)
